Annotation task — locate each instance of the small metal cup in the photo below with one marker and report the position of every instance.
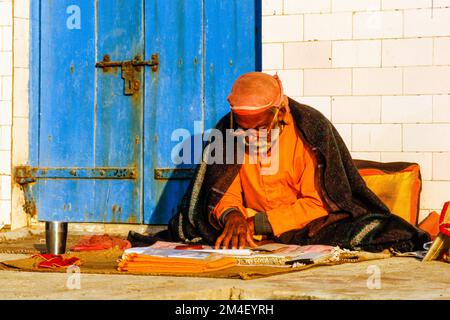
(56, 236)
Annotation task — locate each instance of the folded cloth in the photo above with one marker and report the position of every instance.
(97, 242)
(154, 264)
(55, 261)
(431, 224)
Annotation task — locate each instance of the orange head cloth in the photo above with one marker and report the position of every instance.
(255, 92)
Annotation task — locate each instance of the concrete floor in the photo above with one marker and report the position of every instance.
(400, 278)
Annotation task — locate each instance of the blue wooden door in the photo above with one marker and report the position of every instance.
(102, 151)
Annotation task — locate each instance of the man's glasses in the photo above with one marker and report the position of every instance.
(252, 132)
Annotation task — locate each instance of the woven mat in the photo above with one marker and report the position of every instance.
(32, 244)
(105, 262)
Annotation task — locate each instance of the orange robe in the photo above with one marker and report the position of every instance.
(289, 198)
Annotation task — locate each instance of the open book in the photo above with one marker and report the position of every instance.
(268, 254)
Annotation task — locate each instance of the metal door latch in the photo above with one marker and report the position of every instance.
(130, 70)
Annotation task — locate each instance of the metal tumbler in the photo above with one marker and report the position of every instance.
(56, 236)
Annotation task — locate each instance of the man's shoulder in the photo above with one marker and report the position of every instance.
(223, 123)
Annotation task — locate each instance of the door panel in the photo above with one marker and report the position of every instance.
(86, 120)
(173, 96)
(67, 86)
(66, 108)
(119, 117)
(118, 135)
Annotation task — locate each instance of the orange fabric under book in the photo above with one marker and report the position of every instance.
(145, 263)
(289, 197)
(431, 224)
(399, 190)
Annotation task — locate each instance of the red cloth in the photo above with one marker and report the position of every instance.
(97, 242)
(56, 261)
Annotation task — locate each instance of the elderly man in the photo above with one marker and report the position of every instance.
(316, 195)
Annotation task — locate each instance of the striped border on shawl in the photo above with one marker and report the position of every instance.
(196, 190)
(364, 232)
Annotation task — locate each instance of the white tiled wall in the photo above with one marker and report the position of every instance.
(19, 150)
(14, 75)
(378, 69)
(6, 79)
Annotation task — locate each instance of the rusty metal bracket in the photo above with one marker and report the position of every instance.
(173, 174)
(130, 70)
(26, 174)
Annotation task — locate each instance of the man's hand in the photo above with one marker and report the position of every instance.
(237, 230)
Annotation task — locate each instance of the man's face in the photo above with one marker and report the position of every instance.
(258, 128)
